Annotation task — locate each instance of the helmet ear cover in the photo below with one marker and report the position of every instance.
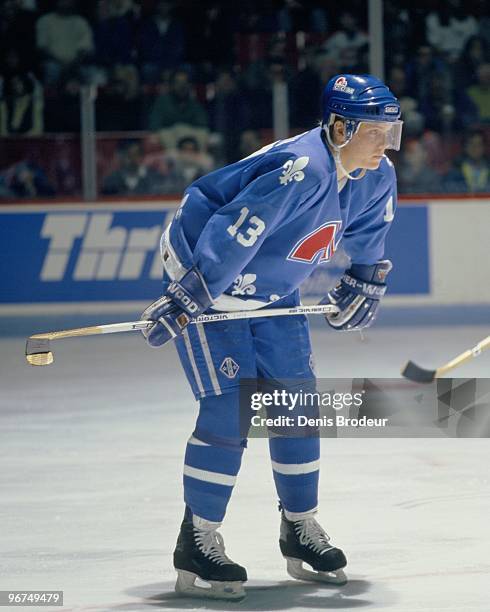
(350, 126)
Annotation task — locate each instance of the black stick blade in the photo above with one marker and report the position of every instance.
(38, 352)
(414, 372)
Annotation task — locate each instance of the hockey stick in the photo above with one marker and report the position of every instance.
(38, 347)
(414, 372)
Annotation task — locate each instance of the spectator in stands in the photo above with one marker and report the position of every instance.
(437, 106)
(209, 39)
(434, 144)
(260, 100)
(325, 66)
(258, 82)
(414, 174)
(344, 45)
(483, 17)
(154, 154)
(114, 34)
(64, 39)
(257, 74)
(449, 27)
(306, 87)
(160, 42)
(249, 142)
(227, 114)
(21, 106)
(476, 53)
(397, 82)
(471, 172)
(62, 111)
(479, 95)
(188, 163)
(420, 70)
(132, 177)
(16, 36)
(65, 167)
(399, 34)
(178, 106)
(296, 16)
(119, 105)
(26, 179)
(264, 17)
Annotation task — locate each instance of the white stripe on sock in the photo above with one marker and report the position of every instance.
(214, 477)
(295, 468)
(300, 516)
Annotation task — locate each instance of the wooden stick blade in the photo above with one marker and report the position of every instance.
(419, 375)
(38, 352)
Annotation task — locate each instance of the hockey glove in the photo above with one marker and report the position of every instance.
(357, 296)
(184, 300)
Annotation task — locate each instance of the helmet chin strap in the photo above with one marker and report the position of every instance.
(338, 161)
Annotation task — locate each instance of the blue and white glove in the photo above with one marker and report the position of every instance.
(172, 313)
(357, 296)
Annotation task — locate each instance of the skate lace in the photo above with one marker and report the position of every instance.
(212, 546)
(311, 534)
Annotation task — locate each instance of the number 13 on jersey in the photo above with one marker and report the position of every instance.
(256, 227)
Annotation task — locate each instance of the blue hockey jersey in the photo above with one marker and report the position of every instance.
(256, 229)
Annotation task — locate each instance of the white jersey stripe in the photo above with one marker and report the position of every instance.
(214, 477)
(295, 468)
(190, 354)
(171, 262)
(208, 358)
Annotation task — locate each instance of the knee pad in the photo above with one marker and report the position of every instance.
(236, 444)
(218, 423)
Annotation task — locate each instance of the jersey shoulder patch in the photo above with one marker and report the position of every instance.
(294, 170)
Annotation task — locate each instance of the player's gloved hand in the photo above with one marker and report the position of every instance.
(184, 300)
(357, 296)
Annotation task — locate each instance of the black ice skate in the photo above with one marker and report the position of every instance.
(304, 541)
(200, 554)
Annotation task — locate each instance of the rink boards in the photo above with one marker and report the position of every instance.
(78, 255)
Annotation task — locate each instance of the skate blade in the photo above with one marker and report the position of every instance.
(296, 570)
(186, 586)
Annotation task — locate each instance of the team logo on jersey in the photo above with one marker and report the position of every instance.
(243, 284)
(229, 367)
(341, 85)
(319, 244)
(293, 170)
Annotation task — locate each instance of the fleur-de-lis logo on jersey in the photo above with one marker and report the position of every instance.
(243, 284)
(293, 170)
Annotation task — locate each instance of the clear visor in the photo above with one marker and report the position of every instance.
(388, 133)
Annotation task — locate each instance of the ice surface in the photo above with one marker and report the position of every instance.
(90, 479)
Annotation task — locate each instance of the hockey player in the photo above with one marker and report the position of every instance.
(245, 237)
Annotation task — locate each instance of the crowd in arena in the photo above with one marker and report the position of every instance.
(184, 86)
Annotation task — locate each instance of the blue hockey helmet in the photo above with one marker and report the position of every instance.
(358, 99)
